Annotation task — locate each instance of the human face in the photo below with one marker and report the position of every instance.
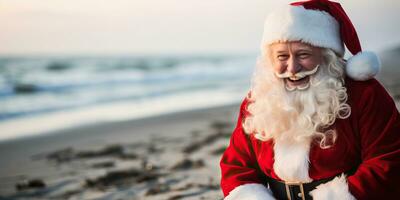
(295, 62)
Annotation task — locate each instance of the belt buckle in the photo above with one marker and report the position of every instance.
(288, 193)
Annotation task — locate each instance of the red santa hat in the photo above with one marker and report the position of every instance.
(321, 23)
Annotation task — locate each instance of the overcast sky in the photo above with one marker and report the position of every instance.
(165, 26)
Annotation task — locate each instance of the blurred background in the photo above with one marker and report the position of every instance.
(89, 61)
(65, 64)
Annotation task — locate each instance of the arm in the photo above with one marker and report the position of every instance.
(379, 132)
(239, 168)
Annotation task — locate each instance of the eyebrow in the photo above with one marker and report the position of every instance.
(305, 49)
(282, 51)
(309, 49)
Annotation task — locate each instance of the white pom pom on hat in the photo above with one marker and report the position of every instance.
(363, 66)
(321, 23)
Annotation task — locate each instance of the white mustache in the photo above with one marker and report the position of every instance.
(298, 75)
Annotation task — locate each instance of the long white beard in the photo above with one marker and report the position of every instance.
(296, 115)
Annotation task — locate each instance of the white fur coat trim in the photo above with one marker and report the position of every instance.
(295, 23)
(292, 160)
(251, 191)
(334, 189)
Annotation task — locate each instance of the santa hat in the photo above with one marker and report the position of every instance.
(321, 23)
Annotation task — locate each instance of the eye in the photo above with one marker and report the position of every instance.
(304, 55)
(282, 57)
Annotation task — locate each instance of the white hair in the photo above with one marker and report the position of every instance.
(275, 113)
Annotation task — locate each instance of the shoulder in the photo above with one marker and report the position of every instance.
(360, 87)
(364, 95)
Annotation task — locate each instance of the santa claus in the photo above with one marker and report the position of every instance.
(313, 126)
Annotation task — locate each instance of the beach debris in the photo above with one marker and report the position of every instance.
(68, 154)
(196, 133)
(123, 177)
(63, 155)
(158, 189)
(175, 197)
(186, 164)
(152, 148)
(148, 166)
(57, 66)
(112, 150)
(25, 88)
(222, 127)
(68, 194)
(30, 184)
(192, 147)
(203, 188)
(195, 146)
(146, 177)
(113, 178)
(185, 187)
(106, 164)
(208, 186)
(221, 131)
(218, 151)
(128, 156)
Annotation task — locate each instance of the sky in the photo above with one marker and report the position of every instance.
(84, 27)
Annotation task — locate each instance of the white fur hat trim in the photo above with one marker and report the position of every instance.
(295, 23)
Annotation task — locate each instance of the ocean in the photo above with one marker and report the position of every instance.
(40, 95)
(43, 94)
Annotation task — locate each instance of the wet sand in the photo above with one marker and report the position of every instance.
(174, 156)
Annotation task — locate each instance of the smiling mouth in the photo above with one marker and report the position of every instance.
(297, 80)
(294, 79)
(299, 83)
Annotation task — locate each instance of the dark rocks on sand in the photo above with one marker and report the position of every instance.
(30, 184)
(158, 189)
(194, 146)
(221, 131)
(63, 155)
(112, 150)
(123, 177)
(113, 178)
(186, 164)
(56, 66)
(218, 151)
(68, 154)
(220, 124)
(107, 164)
(107, 151)
(25, 88)
(151, 148)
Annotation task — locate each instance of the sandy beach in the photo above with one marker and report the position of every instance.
(174, 156)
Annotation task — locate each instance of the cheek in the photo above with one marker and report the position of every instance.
(279, 68)
(310, 64)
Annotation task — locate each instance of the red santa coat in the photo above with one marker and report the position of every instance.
(368, 142)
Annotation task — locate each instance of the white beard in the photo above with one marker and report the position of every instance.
(299, 115)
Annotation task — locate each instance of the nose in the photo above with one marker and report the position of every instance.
(293, 66)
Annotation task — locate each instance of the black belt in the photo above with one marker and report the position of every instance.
(293, 190)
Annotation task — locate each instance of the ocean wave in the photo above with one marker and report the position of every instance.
(35, 86)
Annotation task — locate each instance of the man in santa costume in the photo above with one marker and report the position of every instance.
(314, 126)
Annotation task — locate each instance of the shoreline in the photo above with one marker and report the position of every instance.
(32, 125)
(174, 133)
(132, 121)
